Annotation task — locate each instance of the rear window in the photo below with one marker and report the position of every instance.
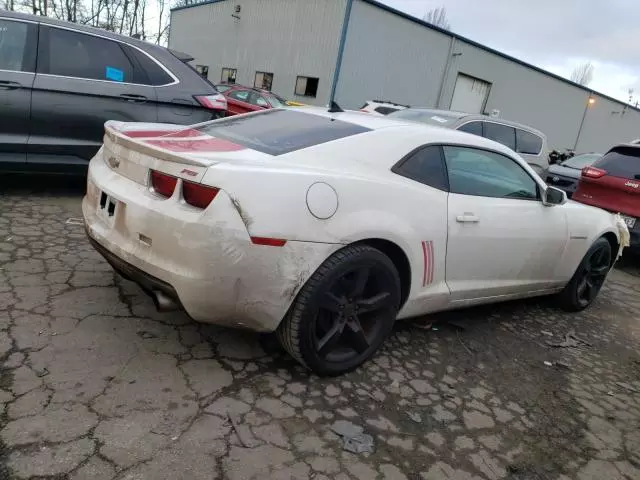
(277, 132)
(621, 162)
(527, 142)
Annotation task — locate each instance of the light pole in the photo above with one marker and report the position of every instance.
(590, 101)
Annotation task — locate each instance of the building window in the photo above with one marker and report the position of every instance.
(229, 75)
(307, 86)
(263, 80)
(203, 70)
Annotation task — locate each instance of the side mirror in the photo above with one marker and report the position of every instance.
(554, 196)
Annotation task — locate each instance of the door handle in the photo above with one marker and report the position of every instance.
(467, 218)
(130, 97)
(6, 85)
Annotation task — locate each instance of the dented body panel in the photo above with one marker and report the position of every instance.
(207, 257)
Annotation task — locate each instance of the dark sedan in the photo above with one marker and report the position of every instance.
(566, 175)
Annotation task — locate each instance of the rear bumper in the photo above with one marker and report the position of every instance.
(202, 259)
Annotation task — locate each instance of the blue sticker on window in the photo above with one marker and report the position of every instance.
(114, 74)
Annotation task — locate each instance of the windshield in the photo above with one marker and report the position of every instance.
(580, 161)
(276, 101)
(430, 117)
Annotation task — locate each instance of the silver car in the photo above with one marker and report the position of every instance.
(530, 143)
(566, 175)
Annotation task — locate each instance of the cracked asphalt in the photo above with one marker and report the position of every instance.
(95, 384)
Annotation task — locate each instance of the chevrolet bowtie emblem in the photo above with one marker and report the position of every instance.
(113, 162)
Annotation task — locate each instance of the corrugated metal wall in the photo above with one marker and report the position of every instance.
(284, 37)
(392, 57)
(389, 57)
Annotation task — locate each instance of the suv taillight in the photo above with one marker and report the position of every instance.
(163, 184)
(593, 172)
(212, 102)
(198, 195)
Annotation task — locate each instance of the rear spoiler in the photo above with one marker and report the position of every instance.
(183, 57)
(117, 137)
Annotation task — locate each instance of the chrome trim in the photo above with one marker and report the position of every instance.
(18, 20)
(17, 71)
(166, 70)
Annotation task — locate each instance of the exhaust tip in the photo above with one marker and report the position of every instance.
(162, 302)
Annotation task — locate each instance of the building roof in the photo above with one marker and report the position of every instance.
(411, 18)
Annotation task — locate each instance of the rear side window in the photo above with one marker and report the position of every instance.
(527, 142)
(385, 110)
(425, 165)
(501, 134)
(621, 162)
(16, 46)
(474, 128)
(155, 74)
(73, 54)
(277, 132)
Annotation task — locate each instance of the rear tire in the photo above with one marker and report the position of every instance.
(344, 312)
(588, 279)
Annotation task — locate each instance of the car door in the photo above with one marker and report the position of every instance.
(502, 239)
(427, 185)
(18, 40)
(82, 81)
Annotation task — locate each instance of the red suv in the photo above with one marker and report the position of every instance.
(613, 183)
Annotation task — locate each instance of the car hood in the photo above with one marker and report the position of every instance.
(564, 171)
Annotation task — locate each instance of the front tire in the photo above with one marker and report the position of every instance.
(588, 279)
(344, 312)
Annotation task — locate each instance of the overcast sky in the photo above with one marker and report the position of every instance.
(555, 35)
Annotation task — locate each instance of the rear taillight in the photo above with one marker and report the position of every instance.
(163, 184)
(197, 195)
(212, 102)
(593, 172)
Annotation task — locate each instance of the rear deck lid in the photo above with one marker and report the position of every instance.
(613, 182)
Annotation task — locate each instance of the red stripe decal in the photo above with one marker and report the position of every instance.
(147, 133)
(188, 132)
(433, 261)
(426, 263)
(209, 145)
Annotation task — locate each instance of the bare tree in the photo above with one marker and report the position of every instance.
(438, 18)
(582, 74)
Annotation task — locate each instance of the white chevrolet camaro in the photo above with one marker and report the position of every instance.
(326, 227)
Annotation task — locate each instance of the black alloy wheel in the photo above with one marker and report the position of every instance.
(344, 312)
(589, 277)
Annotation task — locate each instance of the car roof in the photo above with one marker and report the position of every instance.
(477, 116)
(84, 28)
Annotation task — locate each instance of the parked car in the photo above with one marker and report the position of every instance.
(527, 141)
(381, 107)
(223, 87)
(613, 184)
(53, 110)
(566, 174)
(275, 222)
(246, 99)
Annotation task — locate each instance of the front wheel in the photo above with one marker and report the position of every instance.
(588, 279)
(344, 312)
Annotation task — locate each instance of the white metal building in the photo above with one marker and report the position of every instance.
(356, 50)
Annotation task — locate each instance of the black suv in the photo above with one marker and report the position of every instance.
(60, 82)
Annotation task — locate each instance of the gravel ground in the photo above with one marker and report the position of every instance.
(95, 384)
